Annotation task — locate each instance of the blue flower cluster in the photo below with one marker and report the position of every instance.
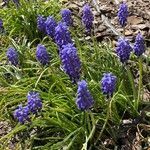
(12, 56)
(41, 23)
(123, 14)
(123, 46)
(67, 17)
(34, 102)
(50, 24)
(87, 17)
(123, 49)
(42, 54)
(1, 24)
(16, 2)
(108, 83)
(139, 47)
(51, 27)
(22, 114)
(34, 105)
(71, 62)
(84, 100)
(62, 35)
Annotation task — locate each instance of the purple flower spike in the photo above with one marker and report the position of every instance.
(66, 17)
(16, 2)
(62, 35)
(123, 49)
(22, 114)
(1, 24)
(139, 47)
(123, 14)
(12, 56)
(42, 55)
(41, 23)
(87, 17)
(108, 84)
(50, 26)
(34, 102)
(84, 100)
(71, 62)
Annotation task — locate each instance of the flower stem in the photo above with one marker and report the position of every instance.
(40, 77)
(124, 31)
(131, 79)
(106, 120)
(140, 84)
(88, 122)
(93, 126)
(92, 131)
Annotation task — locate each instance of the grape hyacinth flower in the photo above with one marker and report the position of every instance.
(84, 100)
(12, 56)
(66, 17)
(87, 17)
(108, 83)
(34, 102)
(70, 62)
(62, 35)
(16, 2)
(1, 24)
(139, 47)
(41, 23)
(22, 114)
(123, 49)
(50, 26)
(123, 14)
(42, 55)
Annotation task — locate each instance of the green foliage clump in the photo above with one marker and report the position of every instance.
(22, 20)
(60, 125)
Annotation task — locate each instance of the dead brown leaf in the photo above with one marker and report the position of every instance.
(134, 20)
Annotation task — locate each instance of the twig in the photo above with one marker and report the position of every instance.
(108, 24)
(106, 20)
(116, 1)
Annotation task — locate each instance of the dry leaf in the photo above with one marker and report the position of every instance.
(134, 20)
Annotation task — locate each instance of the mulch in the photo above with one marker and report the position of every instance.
(138, 20)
